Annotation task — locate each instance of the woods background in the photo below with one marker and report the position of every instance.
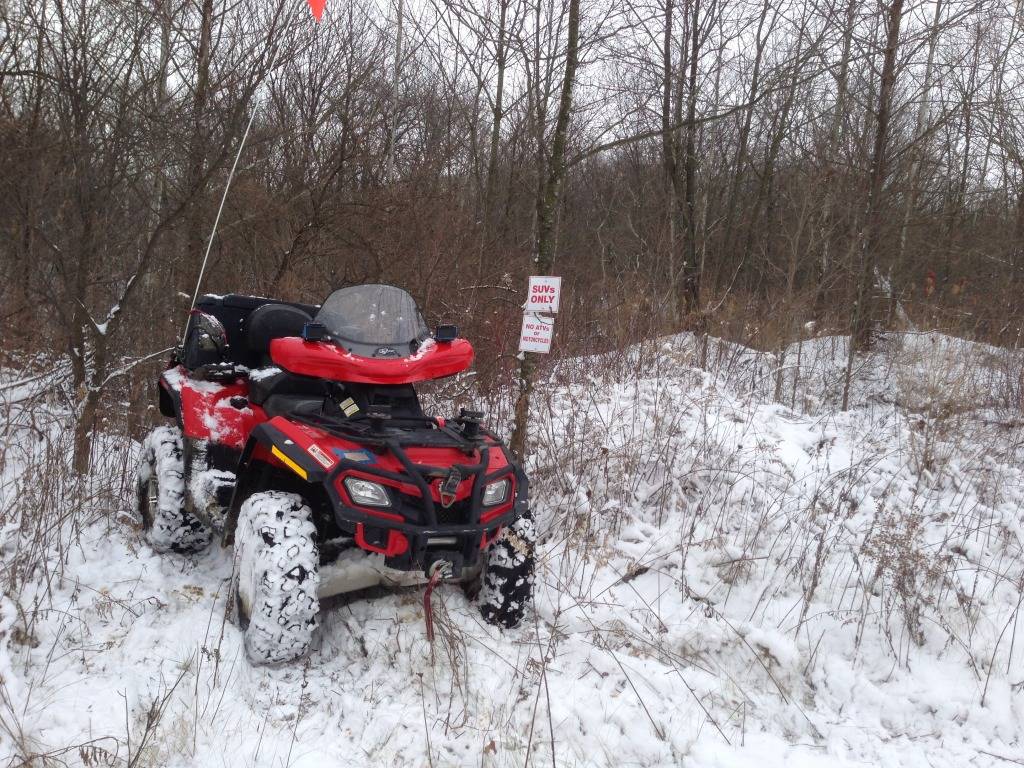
(740, 169)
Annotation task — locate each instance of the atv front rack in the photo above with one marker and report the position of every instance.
(378, 430)
(426, 527)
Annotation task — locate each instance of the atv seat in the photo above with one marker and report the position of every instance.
(235, 313)
(400, 398)
(273, 321)
(270, 384)
(283, 405)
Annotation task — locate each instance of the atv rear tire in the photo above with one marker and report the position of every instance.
(275, 577)
(507, 585)
(160, 496)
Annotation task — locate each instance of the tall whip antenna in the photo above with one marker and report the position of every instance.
(231, 176)
(220, 210)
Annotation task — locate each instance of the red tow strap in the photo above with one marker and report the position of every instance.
(428, 610)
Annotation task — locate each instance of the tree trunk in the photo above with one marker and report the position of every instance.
(953, 229)
(389, 160)
(691, 271)
(547, 211)
(860, 331)
(197, 150)
(88, 409)
(1017, 245)
(744, 136)
(829, 179)
(670, 163)
(498, 115)
(766, 189)
(920, 124)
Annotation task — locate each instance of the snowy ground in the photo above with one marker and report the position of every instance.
(733, 573)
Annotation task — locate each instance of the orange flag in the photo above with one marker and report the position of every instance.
(317, 7)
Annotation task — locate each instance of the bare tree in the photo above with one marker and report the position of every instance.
(547, 210)
(861, 331)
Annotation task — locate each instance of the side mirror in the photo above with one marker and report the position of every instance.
(314, 332)
(446, 334)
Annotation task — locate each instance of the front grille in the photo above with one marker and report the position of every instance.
(454, 515)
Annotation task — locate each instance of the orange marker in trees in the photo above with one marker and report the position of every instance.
(317, 7)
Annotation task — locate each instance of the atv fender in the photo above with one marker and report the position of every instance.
(169, 405)
(218, 411)
(267, 447)
(170, 401)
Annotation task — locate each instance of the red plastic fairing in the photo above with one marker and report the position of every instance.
(207, 412)
(325, 448)
(322, 447)
(328, 361)
(320, 444)
(397, 543)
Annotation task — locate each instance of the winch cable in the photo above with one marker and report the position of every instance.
(436, 574)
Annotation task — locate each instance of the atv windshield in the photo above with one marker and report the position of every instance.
(375, 316)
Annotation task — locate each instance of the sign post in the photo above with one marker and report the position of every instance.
(543, 295)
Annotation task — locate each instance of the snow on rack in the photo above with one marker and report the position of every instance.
(731, 573)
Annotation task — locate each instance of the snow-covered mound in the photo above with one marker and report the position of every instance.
(732, 572)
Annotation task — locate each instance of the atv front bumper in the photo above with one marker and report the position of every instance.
(416, 531)
(355, 571)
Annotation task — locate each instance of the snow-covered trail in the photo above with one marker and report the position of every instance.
(723, 582)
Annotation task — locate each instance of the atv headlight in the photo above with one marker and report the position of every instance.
(496, 493)
(367, 493)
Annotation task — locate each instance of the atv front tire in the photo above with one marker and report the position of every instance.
(507, 585)
(275, 577)
(160, 496)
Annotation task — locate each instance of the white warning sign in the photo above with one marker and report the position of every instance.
(536, 333)
(543, 294)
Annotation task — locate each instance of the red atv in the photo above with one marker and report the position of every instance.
(300, 439)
